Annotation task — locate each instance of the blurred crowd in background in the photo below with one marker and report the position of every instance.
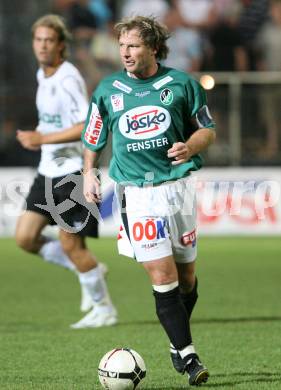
(207, 36)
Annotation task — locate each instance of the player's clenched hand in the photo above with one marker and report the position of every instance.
(31, 140)
(91, 188)
(180, 152)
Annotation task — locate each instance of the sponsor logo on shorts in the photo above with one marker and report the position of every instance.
(144, 122)
(119, 236)
(150, 230)
(149, 246)
(94, 128)
(189, 238)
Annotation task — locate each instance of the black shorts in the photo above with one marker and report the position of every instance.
(61, 200)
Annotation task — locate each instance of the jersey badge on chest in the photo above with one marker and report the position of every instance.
(117, 102)
(142, 94)
(166, 96)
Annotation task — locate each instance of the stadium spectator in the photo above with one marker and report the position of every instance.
(62, 106)
(200, 15)
(102, 11)
(253, 15)
(157, 8)
(228, 53)
(160, 123)
(83, 25)
(268, 41)
(104, 49)
(80, 19)
(185, 44)
(268, 47)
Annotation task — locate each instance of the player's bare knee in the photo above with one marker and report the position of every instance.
(72, 246)
(68, 245)
(67, 240)
(77, 257)
(187, 280)
(187, 277)
(162, 278)
(161, 271)
(187, 283)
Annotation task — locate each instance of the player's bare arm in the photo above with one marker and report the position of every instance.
(33, 139)
(29, 139)
(199, 141)
(91, 184)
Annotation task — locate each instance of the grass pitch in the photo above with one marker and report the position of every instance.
(236, 324)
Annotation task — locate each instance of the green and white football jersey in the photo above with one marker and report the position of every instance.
(61, 102)
(146, 117)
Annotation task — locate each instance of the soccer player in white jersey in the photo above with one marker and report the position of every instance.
(62, 107)
(160, 123)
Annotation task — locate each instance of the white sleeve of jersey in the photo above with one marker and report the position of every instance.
(75, 100)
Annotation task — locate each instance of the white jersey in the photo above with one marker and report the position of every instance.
(61, 103)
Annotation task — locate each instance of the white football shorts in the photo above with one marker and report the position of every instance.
(159, 221)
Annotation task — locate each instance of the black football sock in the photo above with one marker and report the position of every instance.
(173, 317)
(189, 299)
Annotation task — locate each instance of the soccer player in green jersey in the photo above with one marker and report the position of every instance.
(160, 122)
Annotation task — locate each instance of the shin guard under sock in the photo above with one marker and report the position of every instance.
(173, 317)
(189, 299)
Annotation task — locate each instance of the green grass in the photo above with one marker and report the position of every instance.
(236, 324)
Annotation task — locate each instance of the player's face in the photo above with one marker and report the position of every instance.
(137, 58)
(46, 46)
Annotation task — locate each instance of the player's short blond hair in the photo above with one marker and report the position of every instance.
(152, 33)
(58, 24)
